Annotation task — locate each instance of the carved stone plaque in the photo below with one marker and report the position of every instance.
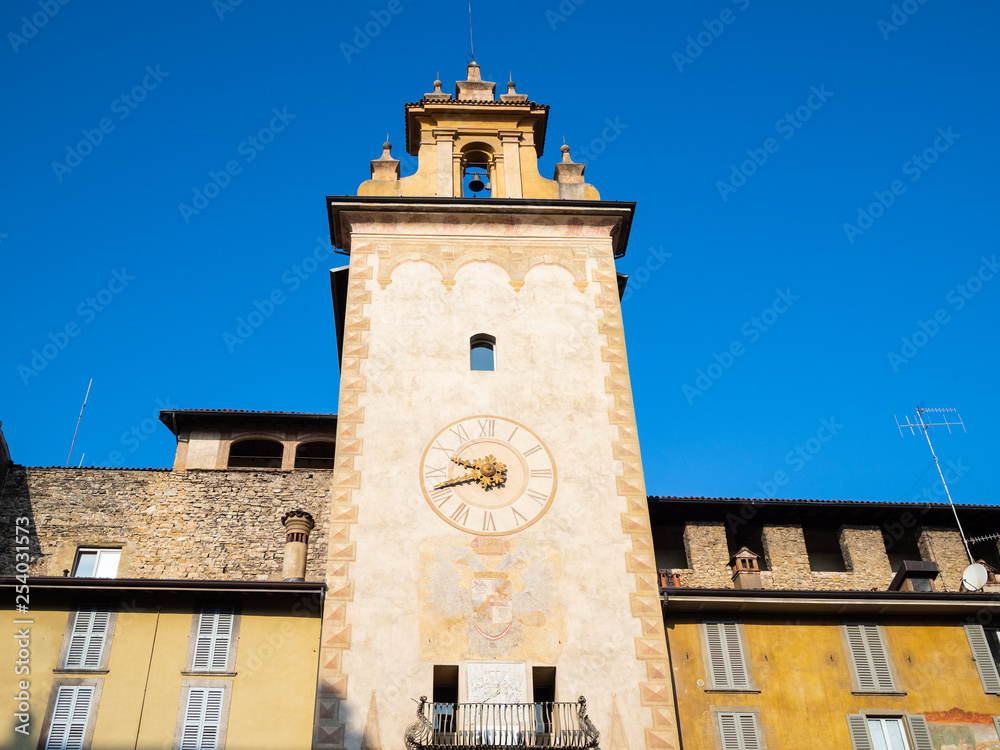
(496, 681)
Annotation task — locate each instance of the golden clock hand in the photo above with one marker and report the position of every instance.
(459, 480)
(466, 464)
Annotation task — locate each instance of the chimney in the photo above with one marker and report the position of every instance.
(914, 575)
(298, 524)
(746, 571)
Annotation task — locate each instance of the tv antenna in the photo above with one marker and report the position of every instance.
(78, 423)
(948, 422)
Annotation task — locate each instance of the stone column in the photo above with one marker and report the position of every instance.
(297, 524)
(445, 139)
(511, 162)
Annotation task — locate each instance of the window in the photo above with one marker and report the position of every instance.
(823, 548)
(482, 354)
(203, 717)
(212, 645)
(727, 669)
(316, 455)
(900, 548)
(889, 732)
(738, 731)
(985, 645)
(255, 454)
(872, 669)
(69, 717)
(87, 640)
(96, 563)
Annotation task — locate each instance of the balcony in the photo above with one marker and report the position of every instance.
(501, 725)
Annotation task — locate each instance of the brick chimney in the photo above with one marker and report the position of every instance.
(298, 524)
(746, 571)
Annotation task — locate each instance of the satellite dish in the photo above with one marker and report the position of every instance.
(975, 577)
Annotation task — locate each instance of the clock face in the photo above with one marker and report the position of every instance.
(488, 475)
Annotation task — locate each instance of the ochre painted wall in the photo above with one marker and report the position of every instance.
(803, 672)
(276, 662)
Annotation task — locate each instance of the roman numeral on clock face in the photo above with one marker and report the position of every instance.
(541, 473)
(461, 514)
(486, 427)
(440, 496)
(460, 432)
(532, 450)
(488, 523)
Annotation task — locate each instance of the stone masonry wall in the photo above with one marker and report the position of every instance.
(865, 558)
(222, 525)
(944, 546)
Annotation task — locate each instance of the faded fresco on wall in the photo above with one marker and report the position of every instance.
(490, 598)
(959, 730)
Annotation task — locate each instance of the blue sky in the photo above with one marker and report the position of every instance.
(813, 252)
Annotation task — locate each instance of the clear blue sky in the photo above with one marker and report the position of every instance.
(841, 105)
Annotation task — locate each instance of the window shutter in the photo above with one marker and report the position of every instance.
(858, 728)
(213, 639)
(871, 662)
(202, 719)
(69, 717)
(920, 733)
(996, 724)
(984, 659)
(725, 656)
(88, 636)
(738, 731)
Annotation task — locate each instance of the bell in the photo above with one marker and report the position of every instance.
(477, 183)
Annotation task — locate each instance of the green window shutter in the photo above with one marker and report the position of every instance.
(869, 656)
(87, 637)
(858, 727)
(738, 731)
(985, 665)
(69, 717)
(919, 733)
(725, 656)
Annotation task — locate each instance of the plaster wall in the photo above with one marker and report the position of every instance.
(803, 684)
(551, 373)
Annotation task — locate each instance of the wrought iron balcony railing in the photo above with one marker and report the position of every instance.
(501, 725)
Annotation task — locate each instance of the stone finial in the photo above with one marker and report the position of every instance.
(385, 167)
(569, 175)
(437, 95)
(475, 89)
(512, 95)
(297, 524)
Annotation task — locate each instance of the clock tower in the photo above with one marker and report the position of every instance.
(490, 544)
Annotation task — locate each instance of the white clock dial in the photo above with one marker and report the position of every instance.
(488, 475)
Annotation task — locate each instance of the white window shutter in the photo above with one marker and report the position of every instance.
(202, 719)
(88, 637)
(996, 724)
(871, 661)
(213, 639)
(858, 727)
(725, 656)
(985, 665)
(920, 733)
(738, 731)
(69, 717)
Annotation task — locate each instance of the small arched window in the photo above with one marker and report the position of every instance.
(255, 454)
(317, 455)
(482, 352)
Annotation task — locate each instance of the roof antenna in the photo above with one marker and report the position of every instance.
(472, 50)
(921, 425)
(78, 423)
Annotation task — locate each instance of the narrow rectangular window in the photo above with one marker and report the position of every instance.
(869, 657)
(543, 695)
(482, 352)
(214, 639)
(70, 716)
(88, 637)
(202, 718)
(738, 731)
(726, 663)
(984, 643)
